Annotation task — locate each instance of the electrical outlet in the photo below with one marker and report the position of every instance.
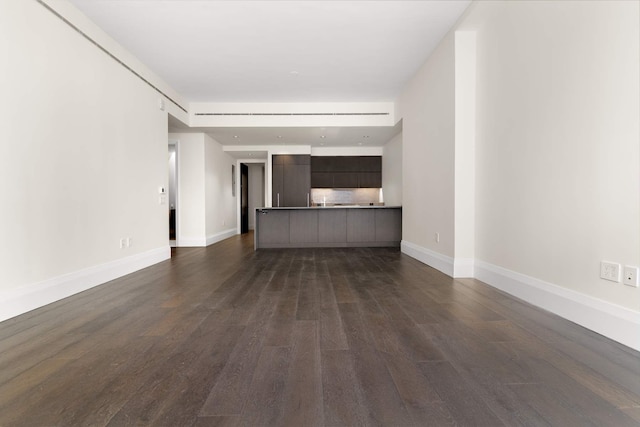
(630, 277)
(123, 243)
(437, 237)
(610, 271)
(129, 242)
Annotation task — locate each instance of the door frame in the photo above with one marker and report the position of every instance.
(239, 201)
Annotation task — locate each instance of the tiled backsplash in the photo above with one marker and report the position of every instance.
(331, 196)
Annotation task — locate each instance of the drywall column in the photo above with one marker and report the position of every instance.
(438, 143)
(191, 181)
(465, 133)
(220, 203)
(428, 143)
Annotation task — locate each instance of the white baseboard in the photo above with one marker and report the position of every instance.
(209, 240)
(613, 321)
(463, 268)
(17, 301)
(433, 259)
(456, 268)
(189, 243)
(215, 238)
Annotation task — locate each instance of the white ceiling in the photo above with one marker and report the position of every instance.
(279, 51)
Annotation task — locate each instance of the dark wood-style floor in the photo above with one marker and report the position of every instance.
(227, 336)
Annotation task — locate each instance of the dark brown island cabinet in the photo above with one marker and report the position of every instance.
(362, 226)
(291, 176)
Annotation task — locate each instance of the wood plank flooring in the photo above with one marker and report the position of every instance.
(225, 336)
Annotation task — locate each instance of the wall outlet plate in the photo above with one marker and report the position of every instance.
(610, 271)
(630, 276)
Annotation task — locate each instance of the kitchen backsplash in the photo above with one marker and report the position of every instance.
(356, 196)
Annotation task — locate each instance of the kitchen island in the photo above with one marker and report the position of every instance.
(328, 227)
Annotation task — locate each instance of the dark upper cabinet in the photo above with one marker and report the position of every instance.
(345, 180)
(346, 171)
(321, 179)
(291, 180)
(370, 164)
(291, 159)
(346, 164)
(369, 180)
(321, 164)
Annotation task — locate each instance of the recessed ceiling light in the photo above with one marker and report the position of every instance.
(323, 136)
(359, 143)
(279, 136)
(235, 136)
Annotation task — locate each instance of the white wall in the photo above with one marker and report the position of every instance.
(558, 151)
(66, 9)
(172, 176)
(207, 208)
(85, 152)
(557, 125)
(256, 190)
(220, 203)
(392, 171)
(191, 189)
(428, 138)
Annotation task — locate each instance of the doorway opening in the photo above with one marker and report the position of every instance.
(173, 194)
(244, 198)
(252, 193)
